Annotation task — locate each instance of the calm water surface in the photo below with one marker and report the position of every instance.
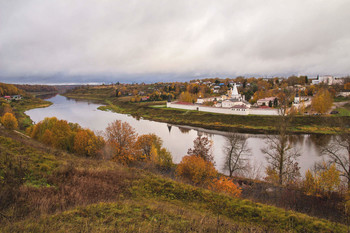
(176, 139)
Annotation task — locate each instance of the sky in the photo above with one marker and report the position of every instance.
(70, 41)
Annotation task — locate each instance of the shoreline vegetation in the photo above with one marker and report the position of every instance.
(157, 111)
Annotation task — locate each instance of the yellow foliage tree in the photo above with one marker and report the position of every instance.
(161, 158)
(9, 121)
(271, 175)
(322, 101)
(322, 182)
(144, 144)
(196, 170)
(48, 137)
(154, 154)
(225, 185)
(188, 97)
(329, 178)
(87, 143)
(121, 138)
(310, 183)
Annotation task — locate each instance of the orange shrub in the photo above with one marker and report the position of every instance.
(225, 185)
(196, 170)
(9, 121)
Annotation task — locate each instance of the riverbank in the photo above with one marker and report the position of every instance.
(254, 124)
(25, 104)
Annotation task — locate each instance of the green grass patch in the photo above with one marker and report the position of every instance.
(341, 98)
(38, 164)
(343, 112)
(131, 216)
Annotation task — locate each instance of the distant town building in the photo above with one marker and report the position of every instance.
(265, 101)
(343, 93)
(328, 79)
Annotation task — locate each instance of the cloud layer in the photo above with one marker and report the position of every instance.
(94, 38)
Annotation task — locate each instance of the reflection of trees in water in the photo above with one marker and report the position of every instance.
(47, 96)
(319, 140)
(296, 139)
(184, 130)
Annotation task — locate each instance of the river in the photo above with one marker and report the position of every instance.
(175, 138)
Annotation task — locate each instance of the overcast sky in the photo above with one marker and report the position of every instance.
(150, 40)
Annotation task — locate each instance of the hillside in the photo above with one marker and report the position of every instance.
(46, 190)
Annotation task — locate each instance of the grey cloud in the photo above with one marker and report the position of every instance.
(100, 39)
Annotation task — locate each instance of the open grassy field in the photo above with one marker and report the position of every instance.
(47, 190)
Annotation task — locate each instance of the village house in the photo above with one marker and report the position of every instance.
(14, 97)
(265, 101)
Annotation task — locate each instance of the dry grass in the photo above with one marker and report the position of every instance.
(72, 187)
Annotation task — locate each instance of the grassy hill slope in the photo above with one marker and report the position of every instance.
(47, 190)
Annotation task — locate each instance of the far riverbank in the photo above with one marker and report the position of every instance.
(253, 124)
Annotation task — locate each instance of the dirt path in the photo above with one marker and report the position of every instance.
(338, 105)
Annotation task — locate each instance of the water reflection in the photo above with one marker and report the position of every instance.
(178, 139)
(184, 130)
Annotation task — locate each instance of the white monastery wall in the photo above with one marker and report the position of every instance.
(267, 112)
(225, 110)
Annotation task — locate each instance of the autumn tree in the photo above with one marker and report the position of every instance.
(236, 151)
(144, 144)
(161, 158)
(4, 108)
(202, 147)
(338, 149)
(87, 143)
(121, 138)
(48, 138)
(8, 89)
(279, 151)
(188, 97)
(225, 185)
(322, 101)
(322, 181)
(54, 132)
(9, 121)
(196, 170)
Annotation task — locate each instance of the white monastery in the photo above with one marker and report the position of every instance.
(232, 103)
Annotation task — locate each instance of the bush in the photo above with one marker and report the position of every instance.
(9, 121)
(225, 185)
(196, 170)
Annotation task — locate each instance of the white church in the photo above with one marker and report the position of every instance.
(233, 103)
(232, 100)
